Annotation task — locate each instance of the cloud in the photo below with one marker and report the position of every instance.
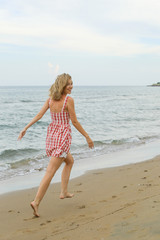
(137, 10)
(73, 38)
(50, 66)
(111, 28)
(56, 70)
(53, 70)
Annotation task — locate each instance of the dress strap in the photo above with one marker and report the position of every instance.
(64, 104)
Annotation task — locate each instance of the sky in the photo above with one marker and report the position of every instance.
(98, 42)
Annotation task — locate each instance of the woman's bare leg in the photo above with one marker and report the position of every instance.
(53, 166)
(65, 177)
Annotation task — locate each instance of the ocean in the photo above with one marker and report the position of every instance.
(116, 117)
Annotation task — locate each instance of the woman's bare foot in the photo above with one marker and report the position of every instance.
(35, 208)
(66, 195)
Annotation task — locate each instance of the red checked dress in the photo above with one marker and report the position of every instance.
(59, 137)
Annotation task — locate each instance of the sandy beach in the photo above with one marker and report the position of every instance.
(118, 203)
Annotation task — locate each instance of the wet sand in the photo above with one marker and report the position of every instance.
(121, 203)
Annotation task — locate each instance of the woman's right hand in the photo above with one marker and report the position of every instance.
(22, 133)
(90, 142)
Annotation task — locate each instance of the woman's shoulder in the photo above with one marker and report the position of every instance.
(70, 99)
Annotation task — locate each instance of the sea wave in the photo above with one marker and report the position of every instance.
(27, 161)
(26, 101)
(14, 153)
(23, 166)
(132, 140)
(13, 162)
(7, 126)
(110, 145)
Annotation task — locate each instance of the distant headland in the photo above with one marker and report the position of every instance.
(155, 85)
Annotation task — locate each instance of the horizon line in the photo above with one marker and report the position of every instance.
(75, 85)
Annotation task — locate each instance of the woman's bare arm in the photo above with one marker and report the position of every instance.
(76, 124)
(35, 119)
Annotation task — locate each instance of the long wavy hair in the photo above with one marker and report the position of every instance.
(57, 89)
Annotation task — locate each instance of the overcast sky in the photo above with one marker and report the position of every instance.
(98, 42)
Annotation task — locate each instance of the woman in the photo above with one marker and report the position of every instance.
(58, 138)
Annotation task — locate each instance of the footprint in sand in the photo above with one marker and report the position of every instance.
(145, 170)
(124, 186)
(42, 224)
(11, 211)
(103, 201)
(44, 238)
(27, 219)
(145, 184)
(156, 201)
(48, 221)
(71, 224)
(140, 190)
(144, 178)
(81, 207)
(129, 204)
(114, 196)
(78, 184)
(97, 173)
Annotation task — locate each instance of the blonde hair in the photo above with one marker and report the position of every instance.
(57, 89)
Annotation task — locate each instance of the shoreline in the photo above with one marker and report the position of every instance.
(121, 158)
(114, 203)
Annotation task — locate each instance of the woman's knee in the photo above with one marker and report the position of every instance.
(72, 161)
(69, 160)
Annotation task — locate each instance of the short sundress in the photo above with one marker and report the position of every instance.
(58, 140)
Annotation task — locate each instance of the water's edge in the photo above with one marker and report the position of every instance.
(121, 158)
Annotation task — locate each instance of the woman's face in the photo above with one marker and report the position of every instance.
(69, 87)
